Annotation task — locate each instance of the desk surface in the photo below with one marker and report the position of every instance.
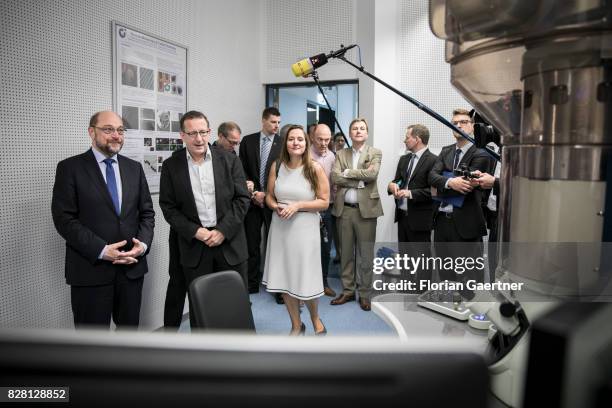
(408, 319)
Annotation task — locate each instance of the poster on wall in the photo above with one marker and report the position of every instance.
(150, 93)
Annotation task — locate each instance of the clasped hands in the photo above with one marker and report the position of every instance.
(211, 238)
(286, 211)
(114, 254)
(397, 192)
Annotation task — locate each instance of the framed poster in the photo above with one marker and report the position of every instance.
(150, 93)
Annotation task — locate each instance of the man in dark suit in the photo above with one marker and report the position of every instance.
(410, 187)
(458, 216)
(257, 152)
(102, 207)
(204, 198)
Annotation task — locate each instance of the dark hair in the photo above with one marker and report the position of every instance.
(310, 171)
(338, 135)
(192, 115)
(270, 111)
(421, 131)
(227, 127)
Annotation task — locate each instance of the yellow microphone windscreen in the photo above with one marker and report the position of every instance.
(302, 68)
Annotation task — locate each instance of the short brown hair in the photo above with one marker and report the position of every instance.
(421, 131)
(359, 120)
(461, 111)
(227, 127)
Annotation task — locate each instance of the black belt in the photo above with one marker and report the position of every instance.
(351, 205)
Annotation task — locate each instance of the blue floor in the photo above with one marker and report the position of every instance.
(348, 319)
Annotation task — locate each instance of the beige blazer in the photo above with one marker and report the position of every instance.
(366, 171)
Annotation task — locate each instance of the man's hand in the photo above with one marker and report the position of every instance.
(258, 198)
(129, 257)
(402, 194)
(484, 180)
(202, 234)
(113, 254)
(393, 188)
(250, 186)
(460, 184)
(215, 238)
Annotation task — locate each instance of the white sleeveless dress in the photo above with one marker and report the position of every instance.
(293, 254)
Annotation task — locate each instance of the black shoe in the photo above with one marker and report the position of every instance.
(253, 290)
(322, 332)
(279, 299)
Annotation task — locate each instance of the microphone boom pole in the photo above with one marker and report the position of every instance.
(340, 55)
(315, 77)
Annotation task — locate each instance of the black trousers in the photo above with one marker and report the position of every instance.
(212, 260)
(326, 246)
(491, 217)
(94, 305)
(448, 243)
(177, 288)
(255, 218)
(414, 244)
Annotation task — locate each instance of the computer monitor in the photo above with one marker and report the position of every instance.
(219, 370)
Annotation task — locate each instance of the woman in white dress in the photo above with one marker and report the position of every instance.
(297, 191)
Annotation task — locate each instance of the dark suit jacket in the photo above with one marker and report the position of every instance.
(232, 200)
(469, 219)
(249, 156)
(420, 207)
(84, 215)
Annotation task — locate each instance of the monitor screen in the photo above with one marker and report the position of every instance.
(218, 370)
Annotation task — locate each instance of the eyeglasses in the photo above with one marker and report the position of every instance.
(461, 122)
(202, 133)
(107, 130)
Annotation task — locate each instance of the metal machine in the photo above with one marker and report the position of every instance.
(541, 73)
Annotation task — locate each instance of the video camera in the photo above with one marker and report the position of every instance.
(464, 171)
(484, 133)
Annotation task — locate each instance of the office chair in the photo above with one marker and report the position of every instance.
(220, 301)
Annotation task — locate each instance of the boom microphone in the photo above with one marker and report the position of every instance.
(305, 67)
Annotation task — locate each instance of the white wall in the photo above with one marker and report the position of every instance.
(56, 68)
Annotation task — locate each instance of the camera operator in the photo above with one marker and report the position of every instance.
(459, 217)
(491, 183)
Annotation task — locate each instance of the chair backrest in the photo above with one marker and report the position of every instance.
(220, 301)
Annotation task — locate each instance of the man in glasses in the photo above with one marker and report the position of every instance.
(228, 137)
(102, 207)
(204, 198)
(458, 217)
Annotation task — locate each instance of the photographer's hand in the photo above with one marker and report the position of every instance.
(460, 184)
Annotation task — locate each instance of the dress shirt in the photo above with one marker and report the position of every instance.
(202, 180)
(327, 162)
(350, 195)
(403, 205)
(492, 203)
(102, 166)
(100, 159)
(448, 208)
